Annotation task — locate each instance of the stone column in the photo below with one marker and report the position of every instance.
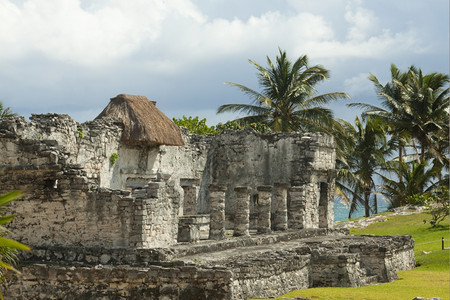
(296, 211)
(264, 203)
(242, 213)
(190, 200)
(217, 212)
(280, 198)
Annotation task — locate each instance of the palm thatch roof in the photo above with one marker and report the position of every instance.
(144, 123)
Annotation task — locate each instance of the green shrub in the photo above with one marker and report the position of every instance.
(195, 126)
(233, 125)
(438, 202)
(80, 132)
(113, 158)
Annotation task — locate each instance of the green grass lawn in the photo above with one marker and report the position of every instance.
(429, 279)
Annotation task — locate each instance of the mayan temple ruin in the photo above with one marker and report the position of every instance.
(128, 206)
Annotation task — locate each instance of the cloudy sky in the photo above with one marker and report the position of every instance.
(72, 56)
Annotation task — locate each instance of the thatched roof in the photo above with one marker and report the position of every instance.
(144, 123)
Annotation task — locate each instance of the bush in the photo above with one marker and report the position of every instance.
(438, 202)
(194, 125)
(233, 125)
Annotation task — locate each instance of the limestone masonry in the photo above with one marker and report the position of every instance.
(233, 216)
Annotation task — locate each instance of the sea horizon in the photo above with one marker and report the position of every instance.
(341, 210)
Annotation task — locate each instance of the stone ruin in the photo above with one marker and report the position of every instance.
(233, 216)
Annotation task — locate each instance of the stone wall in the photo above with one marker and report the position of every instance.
(74, 190)
(116, 223)
(42, 281)
(249, 267)
(61, 167)
(247, 158)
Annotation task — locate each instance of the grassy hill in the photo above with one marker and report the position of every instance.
(429, 279)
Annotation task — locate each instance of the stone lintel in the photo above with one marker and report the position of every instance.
(189, 182)
(264, 188)
(217, 187)
(156, 184)
(281, 185)
(243, 189)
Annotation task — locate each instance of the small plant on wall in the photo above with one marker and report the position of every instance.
(80, 132)
(113, 158)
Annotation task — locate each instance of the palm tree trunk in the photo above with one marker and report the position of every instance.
(375, 204)
(366, 202)
(352, 207)
(400, 159)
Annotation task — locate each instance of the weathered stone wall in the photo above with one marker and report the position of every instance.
(41, 281)
(250, 267)
(59, 165)
(247, 158)
(139, 164)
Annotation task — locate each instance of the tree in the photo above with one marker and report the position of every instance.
(417, 179)
(195, 125)
(287, 101)
(6, 112)
(364, 156)
(429, 104)
(415, 109)
(8, 247)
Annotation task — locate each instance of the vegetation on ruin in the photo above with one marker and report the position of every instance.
(8, 247)
(113, 158)
(429, 279)
(197, 126)
(80, 132)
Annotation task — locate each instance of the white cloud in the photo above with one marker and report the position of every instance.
(362, 21)
(58, 53)
(170, 34)
(64, 31)
(358, 85)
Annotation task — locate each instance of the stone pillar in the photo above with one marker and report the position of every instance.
(217, 212)
(242, 213)
(188, 206)
(296, 211)
(264, 203)
(280, 219)
(190, 200)
(156, 189)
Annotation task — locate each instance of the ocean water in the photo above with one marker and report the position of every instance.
(341, 210)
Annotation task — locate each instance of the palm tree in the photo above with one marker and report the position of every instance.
(393, 109)
(6, 112)
(415, 109)
(417, 179)
(287, 101)
(364, 156)
(429, 104)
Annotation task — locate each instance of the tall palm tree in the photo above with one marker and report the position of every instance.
(287, 101)
(429, 104)
(392, 110)
(364, 156)
(415, 108)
